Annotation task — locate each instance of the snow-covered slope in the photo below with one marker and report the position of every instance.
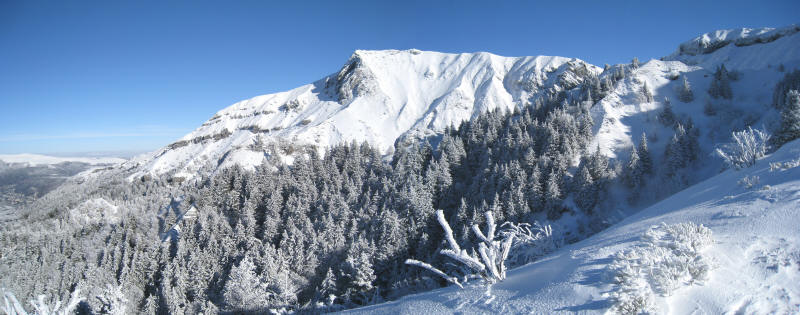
(755, 254)
(37, 159)
(728, 46)
(378, 96)
(760, 57)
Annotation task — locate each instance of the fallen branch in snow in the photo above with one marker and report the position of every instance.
(40, 306)
(433, 269)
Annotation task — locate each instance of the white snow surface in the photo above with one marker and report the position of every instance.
(38, 159)
(621, 117)
(742, 48)
(377, 97)
(756, 253)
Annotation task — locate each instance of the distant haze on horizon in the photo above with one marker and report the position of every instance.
(100, 76)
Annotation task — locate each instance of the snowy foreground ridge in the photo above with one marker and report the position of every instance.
(755, 255)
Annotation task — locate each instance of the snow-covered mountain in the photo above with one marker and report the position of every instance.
(378, 96)
(757, 56)
(38, 159)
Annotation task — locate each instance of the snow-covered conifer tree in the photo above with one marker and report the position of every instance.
(245, 290)
(358, 272)
(667, 116)
(684, 91)
(633, 170)
(552, 194)
(644, 155)
(645, 94)
(586, 191)
(327, 290)
(790, 117)
(720, 85)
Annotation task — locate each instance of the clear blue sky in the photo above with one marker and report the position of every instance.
(112, 75)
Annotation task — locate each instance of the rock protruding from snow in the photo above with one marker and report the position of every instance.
(742, 48)
(710, 42)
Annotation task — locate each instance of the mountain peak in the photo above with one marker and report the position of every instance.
(377, 96)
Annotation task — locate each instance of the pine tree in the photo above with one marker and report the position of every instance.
(271, 217)
(245, 290)
(679, 151)
(667, 116)
(552, 195)
(685, 93)
(720, 85)
(150, 305)
(327, 289)
(534, 191)
(358, 272)
(643, 152)
(633, 170)
(691, 140)
(645, 94)
(790, 118)
(586, 190)
(791, 81)
(597, 164)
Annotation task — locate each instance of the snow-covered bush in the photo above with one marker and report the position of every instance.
(530, 241)
(493, 252)
(782, 166)
(41, 306)
(749, 181)
(669, 257)
(747, 147)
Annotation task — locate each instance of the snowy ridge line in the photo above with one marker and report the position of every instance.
(709, 42)
(38, 159)
(377, 97)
